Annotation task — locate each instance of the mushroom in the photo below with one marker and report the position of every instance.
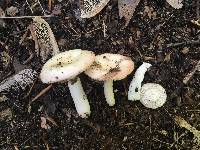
(153, 95)
(67, 66)
(135, 85)
(108, 67)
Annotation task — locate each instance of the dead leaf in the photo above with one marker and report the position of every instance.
(189, 75)
(2, 13)
(127, 8)
(177, 4)
(90, 8)
(43, 123)
(149, 11)
(45, 38)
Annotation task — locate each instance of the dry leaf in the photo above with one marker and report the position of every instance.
(177, 4)
(182, 123)
(90, 8)
(127, 8)
(16, 85)
(45, 38)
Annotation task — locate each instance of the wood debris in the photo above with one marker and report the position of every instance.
(127, 8)
(177, 4)
(189, 76)
(6, 115)
(184, 124)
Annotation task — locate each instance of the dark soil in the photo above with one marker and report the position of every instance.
(162, 37)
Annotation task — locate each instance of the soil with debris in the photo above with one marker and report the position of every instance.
(157, 33)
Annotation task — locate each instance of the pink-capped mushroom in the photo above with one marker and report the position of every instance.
(67, 66)
(108, 67)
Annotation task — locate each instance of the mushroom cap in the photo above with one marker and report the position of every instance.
(153, 95)
(110, 67)
(66, 65)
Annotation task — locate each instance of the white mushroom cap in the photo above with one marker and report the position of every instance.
(66, 65)
(153, 95)
(110, 67)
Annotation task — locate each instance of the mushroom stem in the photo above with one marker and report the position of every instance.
(108, 92)
(79, 97)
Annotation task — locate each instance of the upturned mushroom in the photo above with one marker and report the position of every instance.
(108, 67)
(153, 95)
(135, 85)
(67, 66)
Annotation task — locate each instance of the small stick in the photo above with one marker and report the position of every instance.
(22, 17)
(197, 42)
(187, 78)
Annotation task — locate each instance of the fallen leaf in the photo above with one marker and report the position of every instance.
(45, 38)
(90, 8)
(127, 8)
(177, 4)
(6, 115)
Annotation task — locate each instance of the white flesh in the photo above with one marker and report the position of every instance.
(108, 92)
(79, 97)
(135, 85)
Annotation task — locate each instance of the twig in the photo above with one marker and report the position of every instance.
(39, 95)
(29, 6)
(22, 17)
(197, 42)
(41, 7)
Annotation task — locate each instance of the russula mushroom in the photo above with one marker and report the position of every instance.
(153, 95)
(135, 85)
(108, 67)
(67, 66)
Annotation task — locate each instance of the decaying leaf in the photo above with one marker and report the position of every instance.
(45, 38)
(177, 4)
(189, 76)
(17, 84)
(127, 8)
(90, 8)
(182, 123)
(6, 115)
(5, 61)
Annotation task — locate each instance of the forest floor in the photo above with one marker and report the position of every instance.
(157, 33)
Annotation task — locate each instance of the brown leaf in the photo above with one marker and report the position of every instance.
(90, 8)
(177, 4)
(45, 38)
(127, 8)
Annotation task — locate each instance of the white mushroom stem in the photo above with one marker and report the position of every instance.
(108, 92)
(79, 97)
(135, 85)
